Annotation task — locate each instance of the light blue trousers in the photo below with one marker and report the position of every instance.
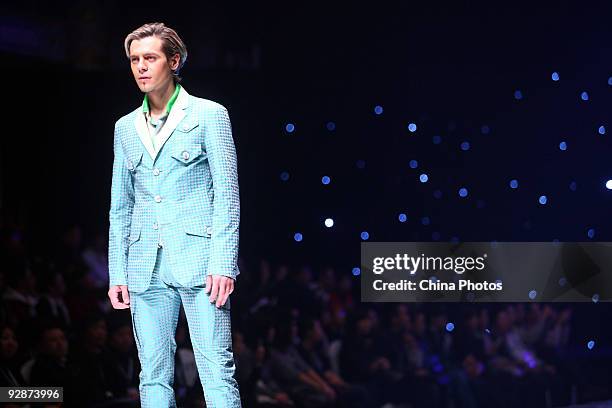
(154, 317)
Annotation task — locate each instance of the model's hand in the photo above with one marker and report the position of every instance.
(219, 287)
(119, 302)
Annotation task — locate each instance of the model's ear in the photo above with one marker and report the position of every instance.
(174, 61)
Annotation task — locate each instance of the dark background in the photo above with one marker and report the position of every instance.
(449, 68)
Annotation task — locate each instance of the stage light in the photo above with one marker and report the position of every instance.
(290, 127)
(514, 183)
(518, 95)
(543, 199)
(413, 164)
(591, 233)
(463, 192)
(423, 177)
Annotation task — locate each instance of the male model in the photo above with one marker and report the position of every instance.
(174, 219)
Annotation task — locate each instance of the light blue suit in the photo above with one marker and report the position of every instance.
(174, 218)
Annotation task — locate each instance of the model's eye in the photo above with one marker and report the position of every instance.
(134, 60)
(151, 58)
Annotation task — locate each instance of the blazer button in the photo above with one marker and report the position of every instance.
(158, 199)
(130, 165)
(156, 172)
(185, 155)
(155, 226)
(209, 230)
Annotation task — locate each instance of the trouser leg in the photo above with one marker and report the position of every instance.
(211, 337)
(154, 318)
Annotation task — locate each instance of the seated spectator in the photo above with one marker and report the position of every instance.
(9, 372)
(288, 369)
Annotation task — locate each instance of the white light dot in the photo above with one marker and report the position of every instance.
(329, 222)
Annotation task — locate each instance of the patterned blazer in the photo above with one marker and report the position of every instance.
(183, 196)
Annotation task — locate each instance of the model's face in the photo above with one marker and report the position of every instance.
(152, 70)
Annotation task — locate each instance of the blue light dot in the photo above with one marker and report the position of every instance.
(563, 146)
(423, 177)
(591, 344)
(514, 183)
(532, 294)
(412, 127)
(450, 327)
(518, 95)
(290, 127)
(562, 281)
(485, 130)
(602, 130)
(414, 164)
(365, 235)
(591, 233)
(543, 199)
(425, 221)
(356, 271)
(325, 180)
(610, 81)
(378, 109)
(297, 237)
(595, 298)
(331, 126)
(436, 139)
(465, 146)
(402, 217)
(584, 96)
(437, 194)
(284, 176)
(463, 192)
(435, 236)
(329, 222)
(573, 186)
(360, 164)
(555, 76)
(609, 184)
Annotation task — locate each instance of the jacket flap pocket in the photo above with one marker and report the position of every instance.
(186, 153)
(197, 226)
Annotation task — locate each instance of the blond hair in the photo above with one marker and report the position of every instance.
(171, 43)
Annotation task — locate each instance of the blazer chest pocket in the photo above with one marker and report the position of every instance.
(187, 153)
(133, 160)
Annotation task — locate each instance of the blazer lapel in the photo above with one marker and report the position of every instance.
(140, 123)
(174, 118)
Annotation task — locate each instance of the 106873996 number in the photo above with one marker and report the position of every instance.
(31, 394)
